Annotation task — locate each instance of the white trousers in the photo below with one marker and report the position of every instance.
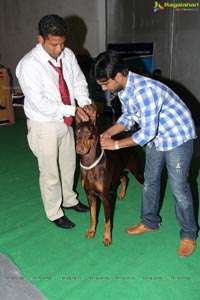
(53, 145)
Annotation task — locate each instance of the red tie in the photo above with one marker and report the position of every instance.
(64, 92)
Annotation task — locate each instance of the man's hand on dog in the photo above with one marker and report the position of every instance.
(106, 142)
(88, 112)
(91, 112)
(81, 114)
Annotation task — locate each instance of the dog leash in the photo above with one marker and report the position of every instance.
(94, 164)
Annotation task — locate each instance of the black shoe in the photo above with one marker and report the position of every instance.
(79, 207)
(64, 222)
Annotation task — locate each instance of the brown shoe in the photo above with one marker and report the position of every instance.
(186, 247)
(139, 229)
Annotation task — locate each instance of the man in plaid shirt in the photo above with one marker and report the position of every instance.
(166, 128)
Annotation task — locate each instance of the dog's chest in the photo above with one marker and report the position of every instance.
(95, 180)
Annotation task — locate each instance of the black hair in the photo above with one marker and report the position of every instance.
(51, 24)
(157, 73)
(107, 65)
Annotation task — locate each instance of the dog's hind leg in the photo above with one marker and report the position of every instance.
(122, 192)
(93, 219)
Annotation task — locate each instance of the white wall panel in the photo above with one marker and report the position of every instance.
(19, 20)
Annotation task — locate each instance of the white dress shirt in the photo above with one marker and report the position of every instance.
(39, 83)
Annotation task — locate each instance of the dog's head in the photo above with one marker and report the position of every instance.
(86, 132)
(86, 137)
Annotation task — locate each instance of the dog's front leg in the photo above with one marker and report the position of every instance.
(93, 220)
(107, 240)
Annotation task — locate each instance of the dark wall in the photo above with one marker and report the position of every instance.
(175, 35)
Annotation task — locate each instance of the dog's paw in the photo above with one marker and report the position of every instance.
(107, 241)
(90, 234)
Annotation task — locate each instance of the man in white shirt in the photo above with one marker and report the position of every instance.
(49, 138)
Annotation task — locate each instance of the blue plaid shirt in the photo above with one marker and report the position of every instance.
(164, 119)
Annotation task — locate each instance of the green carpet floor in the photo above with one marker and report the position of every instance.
(63, 264)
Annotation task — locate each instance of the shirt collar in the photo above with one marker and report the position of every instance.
(123, 92)
(46, 57)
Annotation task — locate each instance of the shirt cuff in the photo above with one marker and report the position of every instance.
(69, 110)
(84, 102)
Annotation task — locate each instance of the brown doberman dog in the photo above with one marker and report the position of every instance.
(101, 171)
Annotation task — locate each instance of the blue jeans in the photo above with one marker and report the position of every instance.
(178, 163)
